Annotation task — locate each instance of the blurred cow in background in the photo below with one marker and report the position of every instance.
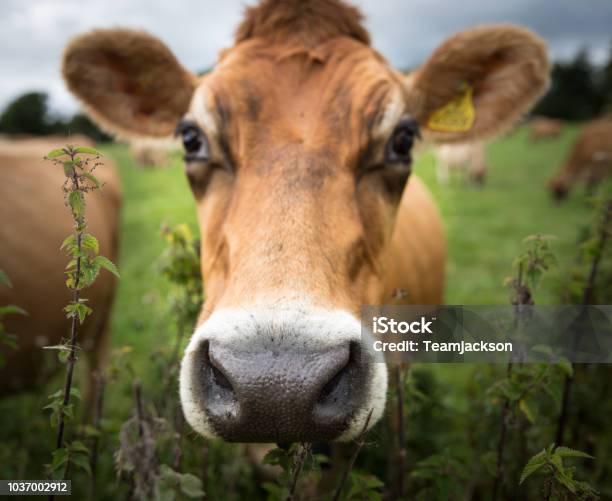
(468, 158)
(589, 161)
(152, 152)
(33, 223)
(545, 128)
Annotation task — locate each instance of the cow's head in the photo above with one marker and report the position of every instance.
(297, 148)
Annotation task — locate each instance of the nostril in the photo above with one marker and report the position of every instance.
(220, 379)
(329, 391)
(219, 395)
(337, 392)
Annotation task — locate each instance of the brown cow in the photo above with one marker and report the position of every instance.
(590, 159)
(545, 128)
(33, 223)
(298, 150)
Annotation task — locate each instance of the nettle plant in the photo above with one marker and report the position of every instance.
(559, 481)
(7, 338)
(84, 266)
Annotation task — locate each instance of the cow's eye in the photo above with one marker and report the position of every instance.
(399, 146)
(195, 142)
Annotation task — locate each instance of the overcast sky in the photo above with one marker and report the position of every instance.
(33, 32)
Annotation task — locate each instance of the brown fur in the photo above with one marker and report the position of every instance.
(33, 223)
(545, 128)
(302, 23)
(122, 76)
(590, 159)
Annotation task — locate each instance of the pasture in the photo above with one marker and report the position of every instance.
(485, 227)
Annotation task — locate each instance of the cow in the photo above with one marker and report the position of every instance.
(153, 152)
(545, 128)
(33, 223)
(469, 158)
(589, 161)
(298, 150)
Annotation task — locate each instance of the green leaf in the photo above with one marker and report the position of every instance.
(92, 178)
(566, 366)
(9, 340)
(11, 309)
(107, 264)
(81, 461)
(69, 168)
(4, 279)
(56, 153)
(191, 486)
(533, 465)
(69, 242)
(90, 242)
(90, 431)
(79, 310)
(75, 200)
(565, 480)
(60, 456)
(566, 452)
(88, 151)
(524, 406)
(78, 446)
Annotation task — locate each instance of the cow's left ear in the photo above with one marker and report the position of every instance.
(478, 83)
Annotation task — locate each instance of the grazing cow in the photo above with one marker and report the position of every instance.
(153, 152)
(33, 223)
(298, 152)
(467, 157)
(589, 161)
(545, 128)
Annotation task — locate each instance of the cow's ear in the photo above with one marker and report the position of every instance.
(128, 81)
(478, 83)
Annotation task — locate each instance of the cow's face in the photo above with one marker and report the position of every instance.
(297, 160)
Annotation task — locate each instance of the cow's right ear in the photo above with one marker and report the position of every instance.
(129, 82)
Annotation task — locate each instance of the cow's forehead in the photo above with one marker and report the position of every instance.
(342, 85)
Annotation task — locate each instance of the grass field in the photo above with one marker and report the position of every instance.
(485, 227)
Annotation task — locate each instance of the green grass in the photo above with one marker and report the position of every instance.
(485, 226)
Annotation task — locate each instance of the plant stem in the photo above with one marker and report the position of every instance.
(501, 444)
(299, 464)
(523, 297)
(358, 445)
(76, 296)
(101, 387)
(139, 408)
(603, 234)
(401, 459)
(205, 453)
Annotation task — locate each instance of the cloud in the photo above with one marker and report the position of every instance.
(33, 33)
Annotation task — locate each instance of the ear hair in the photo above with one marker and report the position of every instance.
(128, 81)
(506, 66)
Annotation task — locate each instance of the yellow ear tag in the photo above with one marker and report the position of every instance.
(455, 116)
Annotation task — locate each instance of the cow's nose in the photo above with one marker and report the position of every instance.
(280, 393)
